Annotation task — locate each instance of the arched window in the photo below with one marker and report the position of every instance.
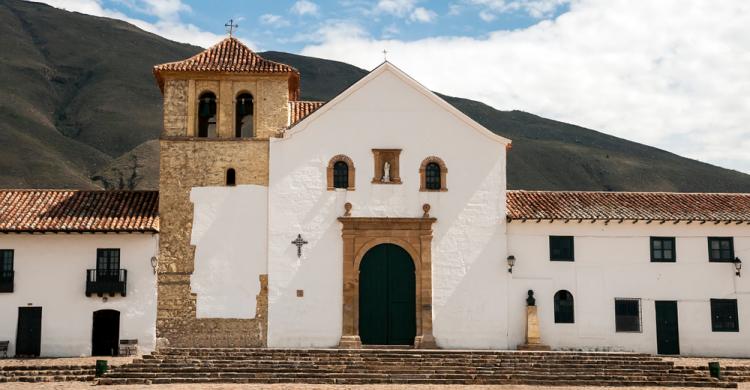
(243, 114)
(564, 307)
(231, 177)
(340, 175)
(432, 174)
(207, 115)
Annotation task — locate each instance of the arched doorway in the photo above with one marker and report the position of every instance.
(387, 291)
(105, 334)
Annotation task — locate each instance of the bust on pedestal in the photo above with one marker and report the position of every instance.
(533, 339)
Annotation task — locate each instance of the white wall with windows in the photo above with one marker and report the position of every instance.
(50, 272)
(613, 261)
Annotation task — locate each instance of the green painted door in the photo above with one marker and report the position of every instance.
(667, 331)
(387, 290)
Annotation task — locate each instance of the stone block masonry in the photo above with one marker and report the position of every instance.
(187, 163)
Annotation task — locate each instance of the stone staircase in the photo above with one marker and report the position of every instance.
(57, 373)
(383, 366)
(732, 373)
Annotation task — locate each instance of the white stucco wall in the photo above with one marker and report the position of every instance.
(613, 261)
(230, 238)
(387, 111)
(50, 271)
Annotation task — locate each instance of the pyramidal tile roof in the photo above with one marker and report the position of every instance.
(39, 211)
(229, 55)
(632, 206)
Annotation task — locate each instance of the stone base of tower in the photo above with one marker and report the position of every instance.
(177, 325)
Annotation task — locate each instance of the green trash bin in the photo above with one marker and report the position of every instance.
(101, 367)
(714, 369)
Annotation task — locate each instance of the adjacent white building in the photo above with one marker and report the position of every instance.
(77, 275)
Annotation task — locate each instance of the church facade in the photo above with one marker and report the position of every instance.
(382, 217)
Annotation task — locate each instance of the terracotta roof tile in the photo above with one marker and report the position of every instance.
(664, 206)
(299, 110)
(229, 55)
(78, 211)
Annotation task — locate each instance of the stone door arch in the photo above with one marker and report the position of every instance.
(414, 235)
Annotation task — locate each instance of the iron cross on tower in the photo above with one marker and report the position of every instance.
(299, 241)
(231, 26)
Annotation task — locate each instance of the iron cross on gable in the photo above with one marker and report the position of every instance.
(231, 26)
(299, 241)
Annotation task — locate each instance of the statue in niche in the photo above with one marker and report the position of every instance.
(531, 301)
(387, 172)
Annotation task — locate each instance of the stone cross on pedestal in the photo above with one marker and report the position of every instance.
(299, 241)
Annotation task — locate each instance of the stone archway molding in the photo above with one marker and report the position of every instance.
(360, 234)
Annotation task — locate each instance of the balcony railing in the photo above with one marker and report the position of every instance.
(6, 281)
(106, 281)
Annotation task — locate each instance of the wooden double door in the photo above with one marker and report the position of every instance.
(387, 296)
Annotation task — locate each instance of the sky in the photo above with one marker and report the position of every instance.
(674, 74)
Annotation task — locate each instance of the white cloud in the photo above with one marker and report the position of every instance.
(487, 16)
(305, 7)
(274, 21)
(422, 15)
(454, 10)
(535, 8)
(398, 8)
(669, 73)
(166, 12)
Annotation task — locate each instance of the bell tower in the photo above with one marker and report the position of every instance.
(221, 107)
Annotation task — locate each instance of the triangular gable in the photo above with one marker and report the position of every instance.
(388, 67)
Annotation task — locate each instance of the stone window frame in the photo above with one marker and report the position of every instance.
(197, 105)
(443, 174)
(329, 171)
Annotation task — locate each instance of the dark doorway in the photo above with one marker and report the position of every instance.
(387, 291)
(667, 332)
(29, 332)
(105, 335)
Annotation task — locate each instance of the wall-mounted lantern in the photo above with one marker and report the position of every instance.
(154, 263)
(511, 263)
(737, 265)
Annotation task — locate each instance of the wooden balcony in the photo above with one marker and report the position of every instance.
(106, 281)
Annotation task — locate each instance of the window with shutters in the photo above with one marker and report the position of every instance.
(627, 315)
(663, 249)
(720, 249)
(724, 315)
(561, 248)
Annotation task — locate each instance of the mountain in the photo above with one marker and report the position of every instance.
(81, 109)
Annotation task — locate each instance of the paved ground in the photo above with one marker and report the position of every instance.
(88, 386)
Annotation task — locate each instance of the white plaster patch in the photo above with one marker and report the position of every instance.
(230, 238)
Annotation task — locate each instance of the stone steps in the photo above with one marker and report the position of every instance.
(61, 373)
(387, 366)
